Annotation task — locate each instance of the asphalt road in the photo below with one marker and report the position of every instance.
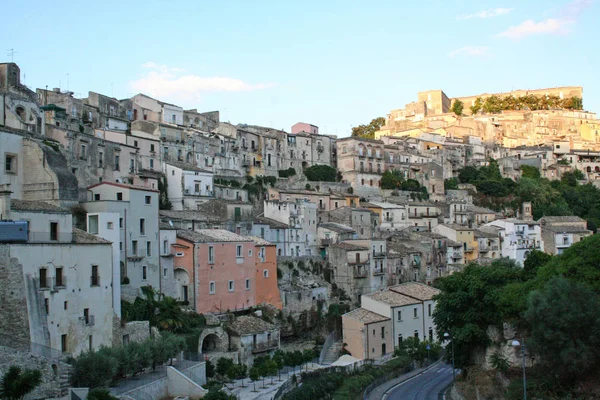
(426, 386)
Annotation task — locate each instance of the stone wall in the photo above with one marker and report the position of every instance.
(138, 331)
(13, 304)
(51, 372)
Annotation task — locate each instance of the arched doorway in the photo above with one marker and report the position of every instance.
(213, 340)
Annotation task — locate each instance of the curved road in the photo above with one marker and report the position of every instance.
(426, 386)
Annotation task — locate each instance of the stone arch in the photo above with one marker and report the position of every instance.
(213, 339)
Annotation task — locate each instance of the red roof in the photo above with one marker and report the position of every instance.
(123, 185)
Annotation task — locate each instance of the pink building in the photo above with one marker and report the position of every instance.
(222, 265)
(304, 127)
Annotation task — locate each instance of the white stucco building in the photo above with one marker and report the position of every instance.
(138, 225)
(188, 186)
(518, 237)
(300, 214)
(66, 284)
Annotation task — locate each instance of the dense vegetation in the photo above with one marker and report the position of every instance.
(554, 302)
(17, 383)
(368, 131)
(286, 173)
(393, 179)
(558, 197)
(321, 173)
(497, 104)
(96, 369)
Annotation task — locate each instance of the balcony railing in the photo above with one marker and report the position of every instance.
(94, 280)
(378, 271)
(359, 262)
(326, 241)
(361, 274)
(260, 347)
(379, 254)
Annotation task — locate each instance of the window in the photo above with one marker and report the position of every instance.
(148, 248)
(148, 199)
(211, 255)
(134, 248)
(53, 230)
(86, 316)
(94, 278)
(59, 279)
(211, 287)
(97, 197)
(265, 273)
(152, 163)
(47, 305)
(239, 251)
(415, 312)
(90, 342)
(429, 310)
(231, 286)
(119, 196)
(416, 334)
(121, 246)
(82, 152)
(142, 227)
(121, 223)
(247, 284)
(383, 332)
(65, 305)
(152, 148)
(431, 334)
(10, 164)
(109, 225)
(63, 343)
(117, 163)
(164, 272)
(100, 159)
(144, 272)
(399, 340)
(399, 315)
(131, 165)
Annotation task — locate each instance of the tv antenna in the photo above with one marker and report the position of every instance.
(11, 53)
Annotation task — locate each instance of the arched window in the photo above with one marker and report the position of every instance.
(20, 112)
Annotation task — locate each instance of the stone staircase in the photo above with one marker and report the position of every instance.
(64, 378)
(333, 353)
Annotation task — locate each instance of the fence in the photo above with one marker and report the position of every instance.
(385, 378)
(331, 339)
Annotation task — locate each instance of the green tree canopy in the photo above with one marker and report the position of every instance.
(564, 321)
(368, 131)
(17, 383)
(321, 173)
(457, 107)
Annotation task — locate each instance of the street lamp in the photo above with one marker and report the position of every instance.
(515, 343)
(447, 336)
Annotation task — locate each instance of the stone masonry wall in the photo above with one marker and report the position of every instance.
(13, 304)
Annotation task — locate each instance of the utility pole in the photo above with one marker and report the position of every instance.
(11, 53)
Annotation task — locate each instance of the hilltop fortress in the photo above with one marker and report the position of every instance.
(510, 120)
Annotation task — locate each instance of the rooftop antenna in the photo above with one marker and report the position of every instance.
(11, 53)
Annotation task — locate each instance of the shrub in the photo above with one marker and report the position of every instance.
(286, 173)
(100, 394)
(93, 369)
(16, 383)
(323, 173)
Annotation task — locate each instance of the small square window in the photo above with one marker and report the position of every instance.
(247, 284)
(231, 286)
(212, 288)
(266, 273)
(120, 196)
(148, 199)
(10, 164)
(121, 223)
(109, 225)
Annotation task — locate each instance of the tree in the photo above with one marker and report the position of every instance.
(533, 262)
(564, 321)
(218, 395)
(451, 184)
(321, 173)
(527, 171)
(468, 305)
(468, 174)
(278, 358)
(368, 131)
(100, 394)
(254, 375)
(210, 369)
(457, 107)
(223, 365)
(17, 383)
(308, 355)
(93, 369)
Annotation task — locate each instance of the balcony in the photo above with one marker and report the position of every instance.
(415, 264)
(59, 282)
(469, 249)
(134, 257)
(359, 262)
(378, 271)
(326, 241)
(261, 347)
(378, 254)
(94, 280)
(361, 274)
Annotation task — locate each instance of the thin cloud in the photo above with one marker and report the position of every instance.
(560, 25)
(470, 51)
(491, 13)
(163, 81)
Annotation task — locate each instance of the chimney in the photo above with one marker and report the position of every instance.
(5, 201)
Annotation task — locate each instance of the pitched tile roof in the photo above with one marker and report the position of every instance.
(391, 298)
(565, 218)
(365, 316)
(416, 290)
(349, 246)
(36, 206)
(211, 236)
(248, 325)
(82, 237)
(124, 186)
(334, 226)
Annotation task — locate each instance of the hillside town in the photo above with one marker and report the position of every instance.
(280, 240)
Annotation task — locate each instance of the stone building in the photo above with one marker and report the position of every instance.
(368, 335)
(251, 336)
(361, 163)
(188, 186)
(364, 221)
(560, 233)
(19, 107)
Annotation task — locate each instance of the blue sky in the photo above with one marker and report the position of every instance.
(335, 64)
